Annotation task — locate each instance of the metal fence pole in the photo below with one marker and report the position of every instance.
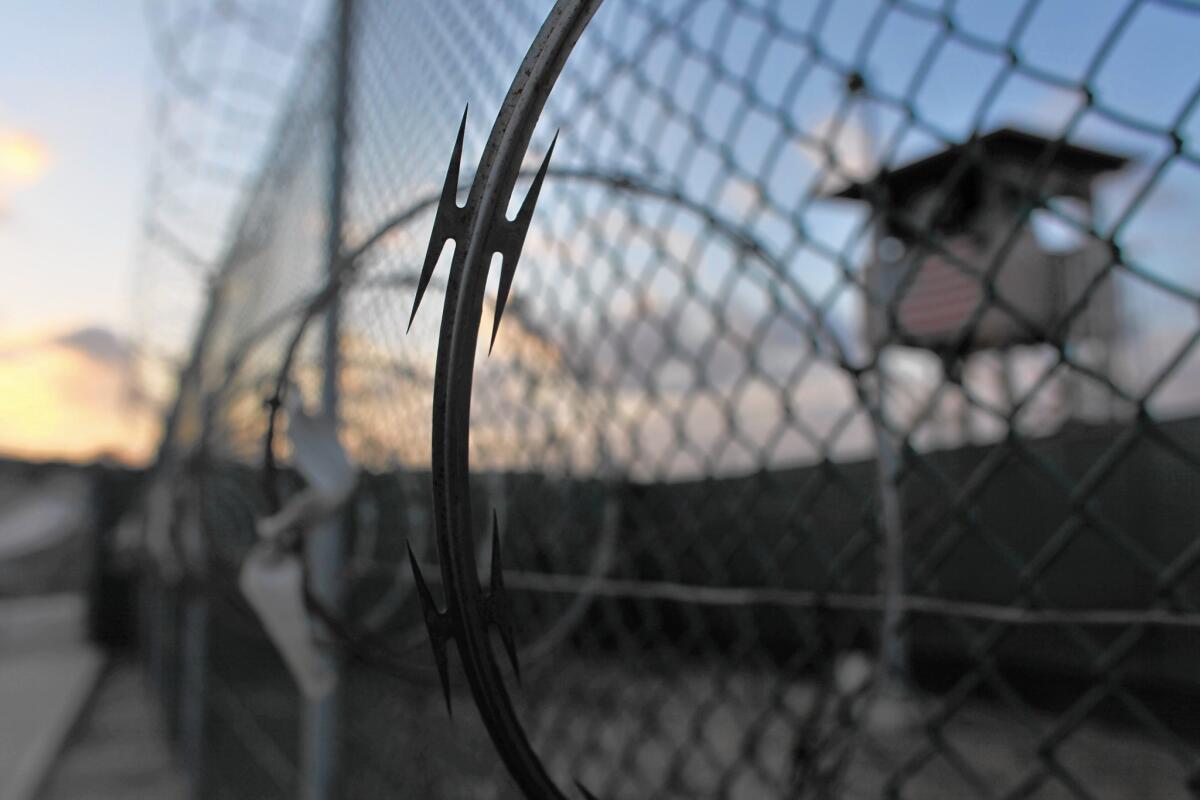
(893, 646)
(319, 735)
(193, 691)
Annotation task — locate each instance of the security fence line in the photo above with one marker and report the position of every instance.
(728, 546)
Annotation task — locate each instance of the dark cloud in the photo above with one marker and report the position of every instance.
(98, 343)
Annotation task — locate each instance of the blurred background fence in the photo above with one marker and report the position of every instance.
(841, 431)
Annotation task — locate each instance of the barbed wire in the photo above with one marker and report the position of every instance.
(223, 72)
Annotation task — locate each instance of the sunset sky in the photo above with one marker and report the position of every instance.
(72, 134)
(75, 152)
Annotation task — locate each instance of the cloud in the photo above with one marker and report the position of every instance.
(69, 396)
(24, 158)
(843, 149)
(97, 343)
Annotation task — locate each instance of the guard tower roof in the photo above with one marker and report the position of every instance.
(1008, 144)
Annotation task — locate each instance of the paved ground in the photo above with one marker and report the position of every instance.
(118, 750)
(47, 673)
(74, 725)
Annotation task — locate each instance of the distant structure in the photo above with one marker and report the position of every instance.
(957, 226)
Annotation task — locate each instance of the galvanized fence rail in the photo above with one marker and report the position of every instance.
(832, 431)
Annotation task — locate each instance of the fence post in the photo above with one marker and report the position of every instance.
(193, 714)
(318, 757)
(893, 643)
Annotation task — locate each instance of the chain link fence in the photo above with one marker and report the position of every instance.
(840, 432)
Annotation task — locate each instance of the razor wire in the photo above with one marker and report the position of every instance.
(741, 531)
(223, 74)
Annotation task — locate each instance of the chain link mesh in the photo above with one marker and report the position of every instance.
(775, 524)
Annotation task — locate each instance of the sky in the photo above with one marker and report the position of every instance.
(1145, 78)
(81, 139)
(73, 98)
(77, 137)
(73, 132)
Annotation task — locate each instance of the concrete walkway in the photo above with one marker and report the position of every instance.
(72, 724)
(47, 674)
(118, 750)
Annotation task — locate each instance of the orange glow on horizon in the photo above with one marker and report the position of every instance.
(58, 403)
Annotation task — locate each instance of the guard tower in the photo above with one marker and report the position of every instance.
(956, 265)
